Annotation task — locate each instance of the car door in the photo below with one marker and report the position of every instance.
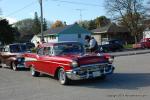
(43, 62)
(148, 42)
(6, 55)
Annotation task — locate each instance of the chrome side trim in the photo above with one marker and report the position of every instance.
(58, 63)
(28, 59)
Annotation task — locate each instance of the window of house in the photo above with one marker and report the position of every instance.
(52, 37)
(79, 35)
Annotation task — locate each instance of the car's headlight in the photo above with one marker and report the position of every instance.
(20, 59)
(111, 59)
(74, 64)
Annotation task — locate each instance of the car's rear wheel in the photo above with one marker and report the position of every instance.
(14, 66)
(34, 72)
(63, 79)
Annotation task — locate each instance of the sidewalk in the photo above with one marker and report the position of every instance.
(130, 52)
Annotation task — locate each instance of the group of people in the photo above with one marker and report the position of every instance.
(91, 43)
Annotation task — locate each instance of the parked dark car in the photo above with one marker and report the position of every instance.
(112, 46)
(29, 45)
(12, 56)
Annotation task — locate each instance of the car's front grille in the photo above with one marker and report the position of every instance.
(94, 67)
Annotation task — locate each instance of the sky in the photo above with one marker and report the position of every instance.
(64, 10)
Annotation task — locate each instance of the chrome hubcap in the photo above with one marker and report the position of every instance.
(62, 76)
(32, 71)
(14, 66)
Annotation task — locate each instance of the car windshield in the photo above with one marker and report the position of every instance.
(68, 48)
(17, 48)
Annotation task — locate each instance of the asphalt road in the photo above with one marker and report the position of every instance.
(131, 81)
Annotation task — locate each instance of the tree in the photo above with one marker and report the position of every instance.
(92, 25)
(6, 32)
(36, 24)
(96, 23)
(84, 24)
(102, 21)
(44, 25)
(58, 23)
(25, 26)
(130, 12)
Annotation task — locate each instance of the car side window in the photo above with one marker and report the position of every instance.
(40, 51)
(6, 49)
(47, 50)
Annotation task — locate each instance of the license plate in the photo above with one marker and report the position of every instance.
(95, 74)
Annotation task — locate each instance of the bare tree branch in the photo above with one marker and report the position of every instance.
(129, 13)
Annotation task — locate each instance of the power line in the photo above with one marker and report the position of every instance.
(20, 9)
(77, 3)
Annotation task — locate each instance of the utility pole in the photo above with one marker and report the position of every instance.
(80, 10)
(41, 9)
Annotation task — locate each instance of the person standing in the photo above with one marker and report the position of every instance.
(39, 45)
(92, 43)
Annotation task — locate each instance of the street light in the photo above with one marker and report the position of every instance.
(41, 8)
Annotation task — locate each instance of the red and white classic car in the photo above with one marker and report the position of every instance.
(68, 61)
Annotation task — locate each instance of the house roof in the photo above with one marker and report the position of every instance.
(110, 28)
(74, 28)
(57, 30)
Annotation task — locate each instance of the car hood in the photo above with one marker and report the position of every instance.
(87, 58)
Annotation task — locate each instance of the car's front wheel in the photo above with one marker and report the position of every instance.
(34, 72)
(63, 79)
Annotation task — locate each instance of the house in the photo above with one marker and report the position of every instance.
(110, 31)
(67, 33)
(146, 33)
(35, 39)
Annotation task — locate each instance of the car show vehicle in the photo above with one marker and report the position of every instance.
(11, 56)
(144, 43)
(112, 46)
(68, 61)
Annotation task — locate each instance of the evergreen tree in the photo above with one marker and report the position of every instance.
(36, 25)
(6, 32)
(44, 25)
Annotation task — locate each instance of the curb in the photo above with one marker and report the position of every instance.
(129, 53)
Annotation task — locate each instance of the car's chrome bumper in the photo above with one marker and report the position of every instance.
(21, 65)
(91, 71)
